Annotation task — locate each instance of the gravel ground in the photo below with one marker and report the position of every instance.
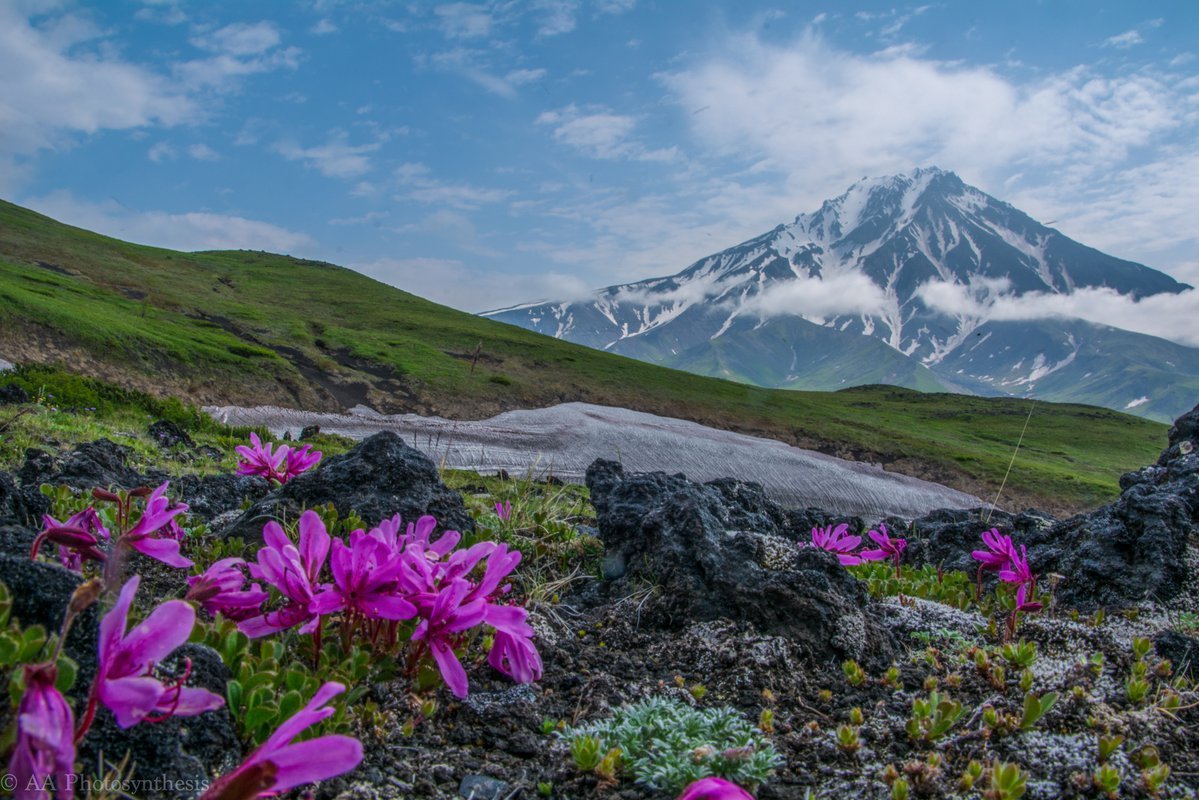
(563, 440)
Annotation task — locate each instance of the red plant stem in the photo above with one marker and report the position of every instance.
(89, 716)
(316, 644)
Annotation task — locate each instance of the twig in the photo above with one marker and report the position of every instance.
(987, 517)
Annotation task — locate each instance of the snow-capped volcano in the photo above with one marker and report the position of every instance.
(889, 283)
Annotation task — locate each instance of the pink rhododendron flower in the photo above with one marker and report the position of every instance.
(714, 788)
(294, 572)
(148, 536)
(125, 683)
(365, 575)
(838, 542)
(279, 764)
(44, 754)
(78, 538)
(1017, 569)
(260, 459)
(445, 616)
(298, 461)
(512, 651)
(278, 465)
(222, 589)
(888, 548)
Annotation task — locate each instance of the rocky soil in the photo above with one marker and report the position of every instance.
(707, 584)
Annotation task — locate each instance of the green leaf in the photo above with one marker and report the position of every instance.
(10, 647)
(67, 670)
(233, 695)
(260, 715)
(290, 703)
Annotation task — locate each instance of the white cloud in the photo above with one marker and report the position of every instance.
(323, 27)
(1125, 40)
(61, 81)
(238, 49)
(419, 185)
(202, 152)
(816, 299)
(197, 230)
(599, 133)
(335, 159)
(472, 65)
(240, 39)
(469, 288)
(519, 77)
(464, 20)
(810, 118)
(556, 16)
(1168, 316)
(161, 151)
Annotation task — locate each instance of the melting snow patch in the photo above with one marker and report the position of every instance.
(1140, 401)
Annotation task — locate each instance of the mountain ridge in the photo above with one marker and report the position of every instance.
(884, 246)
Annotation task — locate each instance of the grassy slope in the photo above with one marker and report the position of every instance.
(247, 327)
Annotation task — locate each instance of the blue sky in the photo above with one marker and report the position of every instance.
(482, 154)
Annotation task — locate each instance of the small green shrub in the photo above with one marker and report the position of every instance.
(666, 744)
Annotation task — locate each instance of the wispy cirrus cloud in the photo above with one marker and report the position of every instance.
(417, 183)
(337, 158)
(598, 132)
(197, 230)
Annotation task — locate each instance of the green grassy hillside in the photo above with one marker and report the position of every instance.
(249, 327)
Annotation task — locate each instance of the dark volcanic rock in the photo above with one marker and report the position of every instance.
(212, 495)
(11, 502)
(946, 537)
(1182, 650)
(1130, 550)
(11, 393)
(100, 463)
(310, 431)
(1133, 549)
(40, 593)
(676, 534)
(168, 434)
(380, 477)
(175, 758)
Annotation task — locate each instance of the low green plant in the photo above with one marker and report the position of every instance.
(1019, 655)
(932, 717)
(949, 587)
(1036, 707)
(971, 775)
(1107, 780)
(1008, 781)
(32, 645)
(1154, 778)
(665, 744)
(848, 740)
(272, 678)
(1107, 746)
(899, 789)
(853, 673)
(586, 751)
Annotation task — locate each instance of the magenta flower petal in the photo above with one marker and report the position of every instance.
(124, 683)
(130, 699)
(164, 550)
(714, 788)
(451, 669)
(45, 745)
(314, 760)
(303, 762)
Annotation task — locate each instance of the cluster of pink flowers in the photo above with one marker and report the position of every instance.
(378, 578)
(1001, 556)
(278, 464)
(156, 533)
(840, 543)
(125, 684)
